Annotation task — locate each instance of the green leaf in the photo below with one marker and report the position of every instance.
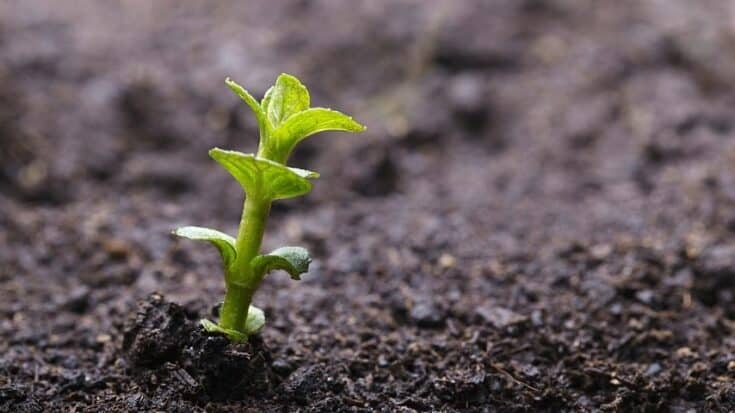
(311, 121)
(293, 260)
(224, 243)
(260, 115)
(255, 320)
(304, 173)
(264, 178)
(266, 99)
(253, 323)
(287, 97)
(233, 335)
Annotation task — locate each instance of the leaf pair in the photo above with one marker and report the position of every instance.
(254, 322)
(294, 260)
(285, 119)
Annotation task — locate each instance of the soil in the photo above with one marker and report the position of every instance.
(541, 216)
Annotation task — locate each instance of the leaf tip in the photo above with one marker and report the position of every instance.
(181, 231)
(233, 85)
(215, 152)
(287, 79)
(286, 76)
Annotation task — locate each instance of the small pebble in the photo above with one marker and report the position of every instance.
(537, 318)
(77, 300)
(467, 94)
(500, 317)
(644, 296)
(653, 369)
(282, 366)
(731, 365)
(116, 248)
(447, 261)
(426, 314)
(684, 352)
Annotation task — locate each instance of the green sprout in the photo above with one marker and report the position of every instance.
(284, 119)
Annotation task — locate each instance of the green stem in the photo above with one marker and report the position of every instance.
(234, 311)
(241, 282)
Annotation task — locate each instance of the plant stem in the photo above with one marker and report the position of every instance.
(241, 282)
(233, 314)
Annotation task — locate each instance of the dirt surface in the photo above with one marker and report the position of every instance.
(541, 216)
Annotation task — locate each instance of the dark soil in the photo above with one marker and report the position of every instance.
(541, 216)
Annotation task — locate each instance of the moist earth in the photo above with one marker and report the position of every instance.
(541, 216)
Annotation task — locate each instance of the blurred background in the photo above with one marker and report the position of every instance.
(500, 133)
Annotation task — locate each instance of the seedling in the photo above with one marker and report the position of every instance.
(284, 119)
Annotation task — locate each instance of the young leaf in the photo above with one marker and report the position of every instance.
(293, 260)
(254, 322)
(232, 334)
(287, 97)
(224, 243)
(252, 103)
(266, 99)
(309, 122)
(263, 178)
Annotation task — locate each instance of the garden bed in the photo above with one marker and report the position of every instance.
(541, 216)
